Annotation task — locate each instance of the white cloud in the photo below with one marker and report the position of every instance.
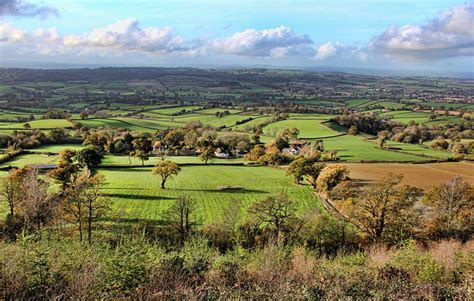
(450, 34)
(275, 42)
(127, 35)
(114, 39)
(10, 34)
(326, 50)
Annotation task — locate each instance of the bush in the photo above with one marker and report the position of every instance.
(420, 265)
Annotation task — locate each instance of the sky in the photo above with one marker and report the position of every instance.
(391, 34)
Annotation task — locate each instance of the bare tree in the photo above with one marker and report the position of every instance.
(181, 216)
(275, 210)
(85, 204)
(453, 209)
(35, 203)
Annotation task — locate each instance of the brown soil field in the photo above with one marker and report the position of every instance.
(424, 176)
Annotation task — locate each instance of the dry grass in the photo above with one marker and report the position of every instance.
(379, 256)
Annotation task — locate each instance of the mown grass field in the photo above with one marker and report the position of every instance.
(30, 159)
(38, 124)
(134, 161)
(356, 148)
(417, 149)
(308, 128)
(57, 148)
(135, 193)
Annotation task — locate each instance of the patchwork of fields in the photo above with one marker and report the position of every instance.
(135, 192)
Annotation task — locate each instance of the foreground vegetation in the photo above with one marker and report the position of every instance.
(137, 267)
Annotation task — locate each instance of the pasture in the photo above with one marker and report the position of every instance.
(356, 148)
(135, 193)
(309, 129)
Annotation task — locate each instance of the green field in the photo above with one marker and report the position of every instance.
(39, 124)
(135, 193)
(174, 110)
(356, 148)
(57, 148)
(308, 128)
(133, 161)
(407, 116)
(356, 102)
(417, 149)
(30, 159)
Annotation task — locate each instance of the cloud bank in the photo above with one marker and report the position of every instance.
(20, 8)
(275, 42)
(450, 34)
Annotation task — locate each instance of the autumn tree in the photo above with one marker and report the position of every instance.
(272, 159)
(166, 169)
(89, 157)
(256, 152)
(385, 210)
(181, 217)
(292, 133)
(66, 170)
(11, 188)
(452, 214)
(83, 115)
(382, 141)
(85, 203)
(95, 140)
(207, 153)
(353, 130)
(207, 145)
(275, 210)
(305, 167)
(313, 171)
(297, 169)
(330, 176)
(141, 148)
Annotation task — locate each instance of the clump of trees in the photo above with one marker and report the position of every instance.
(33, 205)
(411, 132)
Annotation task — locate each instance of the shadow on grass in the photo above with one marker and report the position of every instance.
(127, 169)
(137, 197)
(218, 190)
(130, 220)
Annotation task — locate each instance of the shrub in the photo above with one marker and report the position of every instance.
(420, 265)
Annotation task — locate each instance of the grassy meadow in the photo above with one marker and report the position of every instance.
(136, 195)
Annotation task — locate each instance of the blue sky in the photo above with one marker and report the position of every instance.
(402, 34)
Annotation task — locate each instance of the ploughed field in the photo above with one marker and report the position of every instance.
(424, 176)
